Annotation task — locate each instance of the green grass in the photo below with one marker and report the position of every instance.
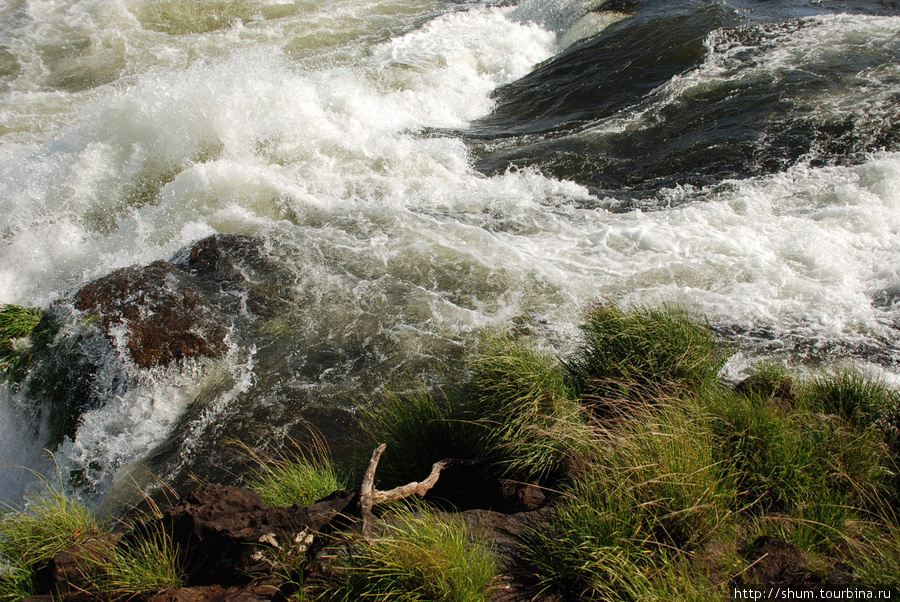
(52, 522)
(146, 563)
(765, 452)
(639, 353)
(15, 582)
(768, 380)
(876, 552)
(653, 494)
(854, 396)
(519, 396)
(816, 471)
(16, 327)
(301, 482)
(670, 462)
(602, 547)
(418, 431)
(49, 524)
(301, 477)
(420, 556)
(515, 412)
(17, 321)
(697, 465)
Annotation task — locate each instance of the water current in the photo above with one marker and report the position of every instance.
(423, 170)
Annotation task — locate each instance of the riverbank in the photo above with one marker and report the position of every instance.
(626, 470)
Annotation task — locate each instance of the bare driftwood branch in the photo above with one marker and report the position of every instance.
(419, 488)
(367, 492)
(369, 496)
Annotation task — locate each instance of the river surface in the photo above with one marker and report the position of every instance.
(423, 170)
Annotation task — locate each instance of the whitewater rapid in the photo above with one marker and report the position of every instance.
(130, 129)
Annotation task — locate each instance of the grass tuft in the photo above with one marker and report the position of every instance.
(815, 472)
(49, 524)
(421, 556)
(302, 482)
(520, 397)
(653, 494)
(147, 563)
(877, 550)
(854, 396)
(419, 430)
(766, 381)
(627, 353)
(52, 522)
(300, 476)
(15, 582)
(17, 324)
(515, 412)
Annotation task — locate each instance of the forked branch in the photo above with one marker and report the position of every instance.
(369, 496)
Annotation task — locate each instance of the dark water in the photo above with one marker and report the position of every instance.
(747, 112)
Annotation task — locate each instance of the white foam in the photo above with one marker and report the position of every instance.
(181, 154)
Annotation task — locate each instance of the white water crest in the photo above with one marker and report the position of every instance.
(130, 129)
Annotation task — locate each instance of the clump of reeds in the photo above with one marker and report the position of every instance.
(298, 474)
(17, 324)
(636, 353)
(420, 556)
(52, 522)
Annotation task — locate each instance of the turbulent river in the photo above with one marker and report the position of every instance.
(423, 170)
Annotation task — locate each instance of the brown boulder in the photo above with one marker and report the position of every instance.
(224, 533)
(165, 316)
(154, 315)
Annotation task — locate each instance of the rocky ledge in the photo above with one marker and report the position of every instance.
(235, 544)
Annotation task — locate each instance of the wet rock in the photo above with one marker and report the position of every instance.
(74, 374)
(225, 532)
(70, 573)
(235, 272)
(181, 308)
(222, 258)
(521, 497)
(153, 315)
(777, 563)
(164, 315)
(508, 536)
